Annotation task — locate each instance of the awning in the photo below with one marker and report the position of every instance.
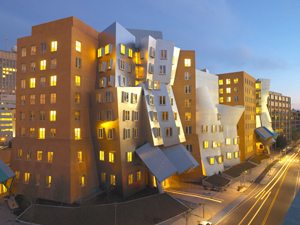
(180, 157)
(156, 161)
(5, 172)
(264, 132)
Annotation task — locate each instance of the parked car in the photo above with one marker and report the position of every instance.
(205, 223)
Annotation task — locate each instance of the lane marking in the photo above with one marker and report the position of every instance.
(259, 209)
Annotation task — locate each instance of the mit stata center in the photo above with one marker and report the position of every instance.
(121, 107)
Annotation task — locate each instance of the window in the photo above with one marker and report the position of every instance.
(188, 116)
(110, 134)
(122, 49)
(111, 157)
(227, 81)
(205, 144)
(82, 181)
(135, 132)
(227, 141)
(23, 52)
(109, 115)
(221, 91)
(151, 68)
(39, 155)
(129, 67)
(129, 52)
(32, 99)
(214, 144)
(162, 100)
(187, 75)
(221, 100)
(134, 98)
(42, 98)
(228, 90)
(165, 116)
(17, 175)
(53, 46)
(122, 65)
(211, 160)
(80, 158)
(187, 62)
(52, 133)
(22, 99)
(220, 82)
(53, 63)
(236, 80)
(77, 80)
(189, 147)
(126, 133)
(204, 128)
(53, 98)
(19, 153)
(26, 177)
(228, 155)
(108, 49)
(236, 98)
(53, 80)
(138, 175)
(100, 54)
(214, 128)
(32, 82)
(52, 115)
(23, 67)
(228, 99)
(188, 89)
(42, 133)
(130, 179)
(108, 96)
(42, 115)
(22, 131)
(43, 81)
(77, 133)
(162, 69)
(103, 177)
(110, 64)
(78, 46)
(221, 128)
(135, 115)
(77, 97)
(235, 141)
(31, 132)
(188, 130)
(175, 115)
(48, 181)
(43, 48)
(151, 100)
(33, 50)
(152, 52)
(169, 131)
(219, 116)
(32, 66)
(101, 156)
(156, 85)
(129, 156)
(154, 116)
(50, 157)
(77, 115)
(43, 64)
(235, 89)
(236, 155)
(125, 96)
(78, 63)
(101, 133)
(101, 115)
(112, 179)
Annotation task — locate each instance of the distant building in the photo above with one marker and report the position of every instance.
(8, 69)
(7, 115)
(295, 121)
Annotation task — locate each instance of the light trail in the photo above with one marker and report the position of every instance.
(195, 195)
(259, 209)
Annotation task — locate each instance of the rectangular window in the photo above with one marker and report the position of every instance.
(22, 131)
(205, 144)
(130, 179)
(151, 68)
(122, 65)
(23, 67)
(135, 132)
(188, 89)
(135, 115)
(103, 177)
(220, 128)
(163, 54)
(50, 157)
(129, 156)
(110, 64)
(236, 155)
(165, 116)
(133, 98)
(77, 115)
(162, 69)
(53, 46)
(111, 157)
(189, 148)
(80, 158)
(122, 49)
(110, 134)
(228, 81)
(77, 80)
(235, 89)
(228, 155)
(109, 115)
(53, 63)
(188, 130)
(32, 83)
(188, 116)
(221, 100)
(77, 133)
(26, 178)
(151, 99)
(43, 64)
(43, 48)
(108, 49)
(214, 144)
(101, 156)
(82, 181)
(22, 99)
(125, 96)
(228, 99)
(48, 181)
(101, 115)
(126, 133)
(78, 46)
(187, 75)
(227, 141)
(43, 81)
(52, 115)
(228, 90)
(53, 80)
(33, 50)
(23, 52)
(187, 62)
(169, 131)
(236, 98)
(32, 66)
(162, 100)
(221, 91)
(101, 133)
(113, 180)
(236, 81)
(42, 115)
(175, 115)
(19, 153)
(52, 133)
(214, 128)
(152, 52)
(108, 96)
(77, 97)
(42, 133)
(235, 141)
(37, 179)
(32, 99)
(219, 116)
(31, 132)
(53, 98)
(100, 54)
(39, 155)
(78, 63)
(204, 128)
(42, 99)
(129, 52)
(156, 85)
(138, 175)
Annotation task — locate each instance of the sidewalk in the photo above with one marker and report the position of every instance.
(6, 217)
(231, 197)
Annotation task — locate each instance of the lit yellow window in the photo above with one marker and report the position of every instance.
(236, 155)
(228, 155)
(215, 144)
(228, 90)
(138, 175)
(187, 62)
(101, 155)
(53, 98)
(52, 133)
(77, 80)
(82, 180)
(80, 157)
(221, 100)
(205, 144)
(221, 91)
(77, 134)
(235, 141)
(48, 181)
(26, 177)
(257, 85)
(122, 50)
(53, 46)
(78, 46)
(257, 110)
(130, 179)
(227, 81)
(212, 161)
(19, 154)
(130, 52)
(129, 156)
(39, 155)
(50, 157)
(42, 133)
(236, 80)
(112, 179)
(99, 52)
(52, 115)
(107, 49)
(53, 80)
(220, 159)
(228, 99)
(220, 82)
(112, 157)
(227, 141)
(32, 82)
(188, 116)
(43, 64)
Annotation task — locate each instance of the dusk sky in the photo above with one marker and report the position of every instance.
(261, 38)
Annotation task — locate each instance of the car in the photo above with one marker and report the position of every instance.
(205, 223)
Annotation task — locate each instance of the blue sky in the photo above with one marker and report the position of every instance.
(261, 38)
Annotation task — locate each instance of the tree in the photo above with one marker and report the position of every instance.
(60, 189)
(295, 136)
(30, 193)
(281, 141)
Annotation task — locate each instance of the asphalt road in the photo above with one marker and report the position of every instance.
(268, 204)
